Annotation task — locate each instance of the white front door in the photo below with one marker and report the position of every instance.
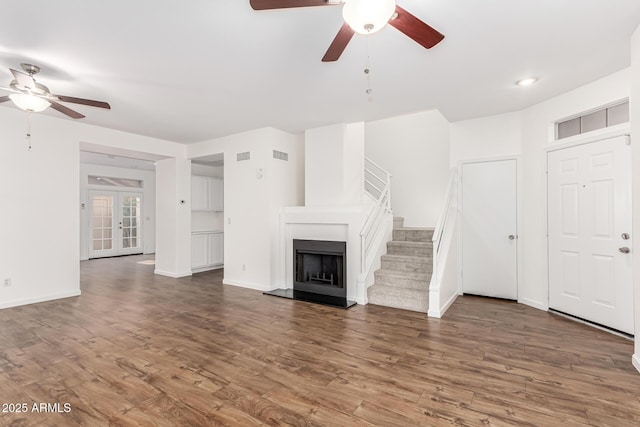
(114, 223)
(489, 229)
(589, 215)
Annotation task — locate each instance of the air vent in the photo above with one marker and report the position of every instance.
(243, 156)
(280, 155)
(599, 119)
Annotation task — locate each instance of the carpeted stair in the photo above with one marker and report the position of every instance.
(403, 280)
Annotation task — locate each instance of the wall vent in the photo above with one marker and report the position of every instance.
(243, 156)
(599, 119)
(280, 155)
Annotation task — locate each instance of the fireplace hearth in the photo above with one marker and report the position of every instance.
(319, 273)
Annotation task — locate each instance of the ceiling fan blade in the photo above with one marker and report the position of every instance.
(99, 104)
(8, 89)
(415, 28)
(4, 98)
(284, 4)
(24, 80)
(65, 110)
(338, 44)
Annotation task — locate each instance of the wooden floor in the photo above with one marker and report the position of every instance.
(138, 349)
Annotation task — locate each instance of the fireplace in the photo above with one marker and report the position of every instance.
(319, 267)
(319, 273)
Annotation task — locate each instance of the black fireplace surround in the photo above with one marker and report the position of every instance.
(319, 273)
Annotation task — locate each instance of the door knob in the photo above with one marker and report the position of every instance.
(624, 250)
(625, 236)
(512, 237)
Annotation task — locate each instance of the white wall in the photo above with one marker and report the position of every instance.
(173, 215)
(415, 150)
(39, 213)
(635, 150)
(334, 165)
(492, 136)
(40, 193)
(148, 179)
(254, 190)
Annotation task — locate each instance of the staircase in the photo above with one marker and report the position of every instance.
(403, 280)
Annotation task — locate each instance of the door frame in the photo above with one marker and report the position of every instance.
(583, 139)
(117, 192)
(520, 247)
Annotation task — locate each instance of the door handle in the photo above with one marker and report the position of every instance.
(512, 236)
(624, 250)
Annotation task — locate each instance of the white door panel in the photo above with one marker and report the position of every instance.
(589, 209)
(489, 228)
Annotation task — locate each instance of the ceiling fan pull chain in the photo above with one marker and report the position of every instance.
(367, 72)
(28, 136)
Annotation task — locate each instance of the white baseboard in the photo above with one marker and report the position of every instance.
(172, 275)
(635, 360)
(44, 298)
(248, 285)
(440, 312)
(534, 304)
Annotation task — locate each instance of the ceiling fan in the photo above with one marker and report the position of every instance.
(34, 97)
(363, 17)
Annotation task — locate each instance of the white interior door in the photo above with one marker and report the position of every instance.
(489, 229)
(589, 222)
(115, 223)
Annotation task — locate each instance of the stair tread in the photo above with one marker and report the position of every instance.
(414, 228)
(421, 259)
(411, 243)
(420, 276)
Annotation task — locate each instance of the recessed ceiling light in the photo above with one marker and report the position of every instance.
(527, 82)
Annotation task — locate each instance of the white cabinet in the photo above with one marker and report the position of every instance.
(207, 194)
(207, 250)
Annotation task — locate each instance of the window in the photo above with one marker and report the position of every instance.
(600, 119)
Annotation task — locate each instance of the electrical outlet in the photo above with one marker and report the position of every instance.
(6, 282)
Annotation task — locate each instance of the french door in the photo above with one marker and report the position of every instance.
(115, 223)
(589, 214)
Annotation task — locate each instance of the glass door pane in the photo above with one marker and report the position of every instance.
(130, 210)
(102, 224)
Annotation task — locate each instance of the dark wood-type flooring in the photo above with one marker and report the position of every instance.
(138, 349)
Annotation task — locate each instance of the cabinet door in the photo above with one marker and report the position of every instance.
(199, 193)
(216, 194)
(199, 250)
(216, 249)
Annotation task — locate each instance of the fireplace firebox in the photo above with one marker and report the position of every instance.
(319, 267)
(319, 273)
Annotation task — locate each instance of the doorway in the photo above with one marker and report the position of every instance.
(589, 232)
(489, 224)
(115, 223)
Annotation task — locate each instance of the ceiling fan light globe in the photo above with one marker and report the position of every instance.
(368, 16)
(31, 103)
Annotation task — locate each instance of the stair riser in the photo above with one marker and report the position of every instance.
(403, 282)
(422, 267)
(412, 235)
(411, 301)
(398, 222)
(399, 249)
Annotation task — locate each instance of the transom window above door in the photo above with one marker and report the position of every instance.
(114, 182)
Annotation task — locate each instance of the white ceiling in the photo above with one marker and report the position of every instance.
(192, 70)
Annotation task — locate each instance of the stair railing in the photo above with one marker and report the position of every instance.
(443, 244)
(377, 185)
(443, 217)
